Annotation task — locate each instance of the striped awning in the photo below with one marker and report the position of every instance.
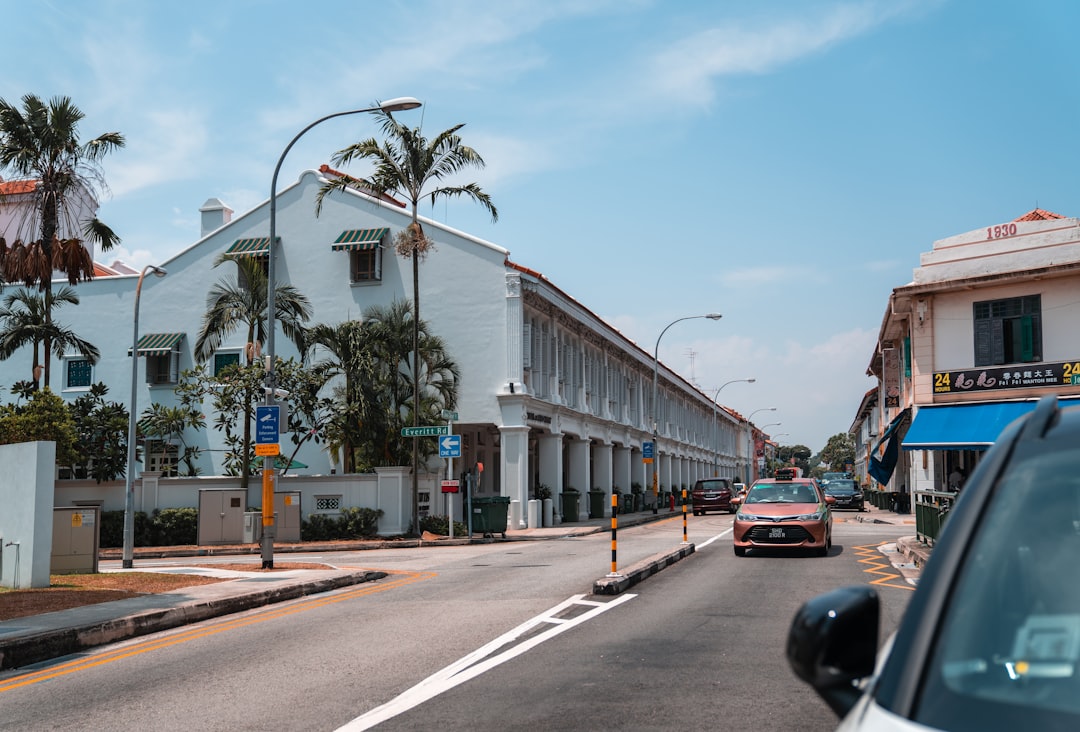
(157, 344)
(352, 239)
(250, 247)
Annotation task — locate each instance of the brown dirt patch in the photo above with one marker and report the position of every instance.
(67, 591)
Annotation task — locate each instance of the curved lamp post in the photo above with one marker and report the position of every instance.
(749, 442)
(391, 105)
(716, 426)
(129, 492)
(655, 375)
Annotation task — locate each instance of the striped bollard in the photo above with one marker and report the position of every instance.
(685, 540)
(614, 527)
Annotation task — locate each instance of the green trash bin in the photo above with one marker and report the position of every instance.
(489, 515)
(570, 506)
(596, 504)
(627, 503)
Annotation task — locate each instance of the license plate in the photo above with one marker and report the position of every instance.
(776, 533)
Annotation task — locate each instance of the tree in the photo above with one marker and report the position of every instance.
(243, 304)
(406, 163)
(40, 142)
(168, 424)
(44, 417)
(376, 399)
(25, 321)
(839, 452)
(101, 428)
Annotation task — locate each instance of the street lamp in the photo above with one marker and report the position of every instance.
(716, 426)
(391, 105)
(749, 442)
(129, 492)
(655, 373)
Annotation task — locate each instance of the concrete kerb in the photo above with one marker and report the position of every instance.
(639, 571)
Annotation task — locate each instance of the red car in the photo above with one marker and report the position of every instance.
(712, 494)
(784, 512)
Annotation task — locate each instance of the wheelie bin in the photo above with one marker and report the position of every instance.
(489, 515)
(570, 506)
(596, 504)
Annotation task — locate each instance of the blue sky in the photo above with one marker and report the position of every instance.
(783, 163)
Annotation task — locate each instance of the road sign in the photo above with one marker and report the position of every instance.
(450, 486)
(436, 431)
(647, 449)
(450, 446)
(448, 414)
(262, 449)
(267, 419)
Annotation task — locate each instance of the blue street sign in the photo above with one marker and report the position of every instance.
(647, 450)
(450, 446)
(267, 419)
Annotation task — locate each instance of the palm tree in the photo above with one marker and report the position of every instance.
(40, 142)
(406, 164)
(243, 304)
(25, 320)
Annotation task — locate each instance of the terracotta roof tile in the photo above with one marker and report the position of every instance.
(13, 187)
(1038, 214)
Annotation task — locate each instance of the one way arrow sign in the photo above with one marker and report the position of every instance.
(450, 446)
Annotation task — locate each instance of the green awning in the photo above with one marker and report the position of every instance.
(250, 247)
(158, 344)
(353, 239)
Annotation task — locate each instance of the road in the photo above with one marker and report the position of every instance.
(485, 637)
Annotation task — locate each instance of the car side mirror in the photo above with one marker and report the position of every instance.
(832, 643)
(736, 499)
(829, 500)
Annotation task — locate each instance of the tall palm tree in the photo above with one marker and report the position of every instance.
(25, 320)
(40, 142)
(242, 303)
(407, 164)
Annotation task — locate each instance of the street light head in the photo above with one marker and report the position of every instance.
(714, 316)
(750, 381)
(158, 271)
(399, 104)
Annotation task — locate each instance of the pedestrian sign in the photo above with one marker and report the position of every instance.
(450, 446)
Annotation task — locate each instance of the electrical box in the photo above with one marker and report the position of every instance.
(75, 539)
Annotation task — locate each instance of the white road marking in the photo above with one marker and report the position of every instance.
(721, 535)
(477, 662)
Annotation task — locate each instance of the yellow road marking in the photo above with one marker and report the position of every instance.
(273, 612)
(877, 564)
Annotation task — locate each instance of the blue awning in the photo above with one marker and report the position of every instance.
(965, 426)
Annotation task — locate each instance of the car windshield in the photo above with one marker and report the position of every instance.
(781, 493)
(1008, 654)
(840, 486)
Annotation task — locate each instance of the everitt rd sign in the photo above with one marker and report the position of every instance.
(437, 431)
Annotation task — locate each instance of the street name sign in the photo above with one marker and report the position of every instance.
(435, 431)
(449, 414)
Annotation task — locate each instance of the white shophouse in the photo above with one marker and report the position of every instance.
(989, 324)
(550, 395)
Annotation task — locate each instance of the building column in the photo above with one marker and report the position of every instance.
(514, 443)
(577, 455)
(549, 454)
(621, 469)
(601, 472)
(637, 469)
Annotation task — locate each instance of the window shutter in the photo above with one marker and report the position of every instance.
(378, 264)
(997, 341)
(983, 351)
(174, 367)
(1027, 339)
(526, 345)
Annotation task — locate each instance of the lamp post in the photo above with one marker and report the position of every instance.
(716, 426)
(129, 491)
(391, 105)
(655, 377)
(750, 441)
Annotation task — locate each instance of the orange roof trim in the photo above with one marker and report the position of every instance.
(359, 184)
(1039, 214)
(14, 187)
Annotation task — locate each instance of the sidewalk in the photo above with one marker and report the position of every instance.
(32, 639)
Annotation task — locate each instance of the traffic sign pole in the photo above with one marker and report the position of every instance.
(450, 417)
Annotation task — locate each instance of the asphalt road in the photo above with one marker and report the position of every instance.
(486, 637)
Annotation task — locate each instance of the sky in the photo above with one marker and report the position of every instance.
(782, 163)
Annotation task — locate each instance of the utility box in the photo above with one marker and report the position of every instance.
(252, 527)
(221, 516)
(75, 539)
(286, 516)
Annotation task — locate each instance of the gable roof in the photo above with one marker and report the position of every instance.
(15, 187)
(1038, 214)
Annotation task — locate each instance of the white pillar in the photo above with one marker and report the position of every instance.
(601, 471)
(514, 443)
(578, 456)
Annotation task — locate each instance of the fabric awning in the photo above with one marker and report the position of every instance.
(352, 239)
(158, 344)
(965, 426)
(250, 247)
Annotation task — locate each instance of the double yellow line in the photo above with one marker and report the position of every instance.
(400, 579)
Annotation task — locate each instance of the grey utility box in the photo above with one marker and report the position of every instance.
(287, 516)
(75, 539)
(221, 516)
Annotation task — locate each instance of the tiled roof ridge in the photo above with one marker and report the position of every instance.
(1039, 214)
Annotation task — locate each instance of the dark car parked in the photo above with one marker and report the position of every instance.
(712, 494)
(991, 637)
(846, 492)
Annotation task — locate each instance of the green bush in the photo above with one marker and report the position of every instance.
(441, 525)
(352, 523)
(169, 527)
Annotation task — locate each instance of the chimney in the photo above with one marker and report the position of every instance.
(215, 214)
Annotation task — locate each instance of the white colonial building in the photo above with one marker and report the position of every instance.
(550, 395)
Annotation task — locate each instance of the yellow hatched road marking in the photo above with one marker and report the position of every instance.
(272, 612)
(877, 564)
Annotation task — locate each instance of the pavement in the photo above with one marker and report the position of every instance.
(33, 639)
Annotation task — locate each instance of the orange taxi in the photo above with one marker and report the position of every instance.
(785, 512)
